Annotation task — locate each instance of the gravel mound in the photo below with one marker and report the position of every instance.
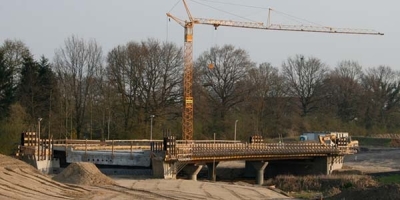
(83, 173)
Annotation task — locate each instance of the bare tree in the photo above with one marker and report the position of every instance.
(305, 77)
(14, 51)
(147, 76)
(224, 81)
(76, 64)
(267, 99)
(124, 64)
(344, 91)
(382, 86)
(161, 76)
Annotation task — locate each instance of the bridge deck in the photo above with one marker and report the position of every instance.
(244, 151)
(200, 150)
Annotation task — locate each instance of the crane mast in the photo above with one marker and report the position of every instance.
(188, 25)
(187, 117)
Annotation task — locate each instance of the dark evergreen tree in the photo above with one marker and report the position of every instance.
(49, 95)
(37, 90)
(6, 87)
(28, 87)
(47, 85)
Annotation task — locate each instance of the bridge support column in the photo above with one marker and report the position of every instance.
(163, 169)
(259, 166)
(193, 170)
(212, 172)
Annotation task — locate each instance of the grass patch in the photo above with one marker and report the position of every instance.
(376, 142)
(320, 182)
(395, 178)
(307, 187)
(306, 195)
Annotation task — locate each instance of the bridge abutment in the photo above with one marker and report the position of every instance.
(162, 169)
(327, 164)
(192, 170)
(334, 163)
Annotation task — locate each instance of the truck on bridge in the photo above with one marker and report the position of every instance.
(331, 139)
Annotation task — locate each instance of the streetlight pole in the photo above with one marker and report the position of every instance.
(38, 142)
(151, 126)
(235, 129)
(39, 120)
(108, 124)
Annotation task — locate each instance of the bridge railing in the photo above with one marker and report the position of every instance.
(197, 150)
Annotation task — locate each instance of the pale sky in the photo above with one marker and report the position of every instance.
(44, 25)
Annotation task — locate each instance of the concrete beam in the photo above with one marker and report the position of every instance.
(212, 172)
(192, 170)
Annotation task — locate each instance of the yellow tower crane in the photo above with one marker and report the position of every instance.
(187, 116)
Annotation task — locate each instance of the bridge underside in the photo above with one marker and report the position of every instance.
(315, 166)
(319, 165)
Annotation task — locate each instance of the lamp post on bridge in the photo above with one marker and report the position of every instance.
(151, 126)
(38, 142)
(39, 120)
(234, 138)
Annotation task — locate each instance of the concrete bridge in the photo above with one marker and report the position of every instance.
(169, 156)
(191, 156)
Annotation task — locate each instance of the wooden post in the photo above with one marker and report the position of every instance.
(66, 142)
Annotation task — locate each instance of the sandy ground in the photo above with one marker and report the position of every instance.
(18, 180)
(187, 189)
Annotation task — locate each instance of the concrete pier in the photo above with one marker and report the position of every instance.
(212, 172)
(259, 166)
(192, 170)
(162, 169)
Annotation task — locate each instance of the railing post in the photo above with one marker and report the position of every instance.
(85, 149)
(37, 146)
(131, 149)
(66, 144)
(112, 148)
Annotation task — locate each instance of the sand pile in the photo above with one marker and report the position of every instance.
(19, 180)
(7, 162)
(83, 173)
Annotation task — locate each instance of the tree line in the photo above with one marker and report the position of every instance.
(84, 92)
